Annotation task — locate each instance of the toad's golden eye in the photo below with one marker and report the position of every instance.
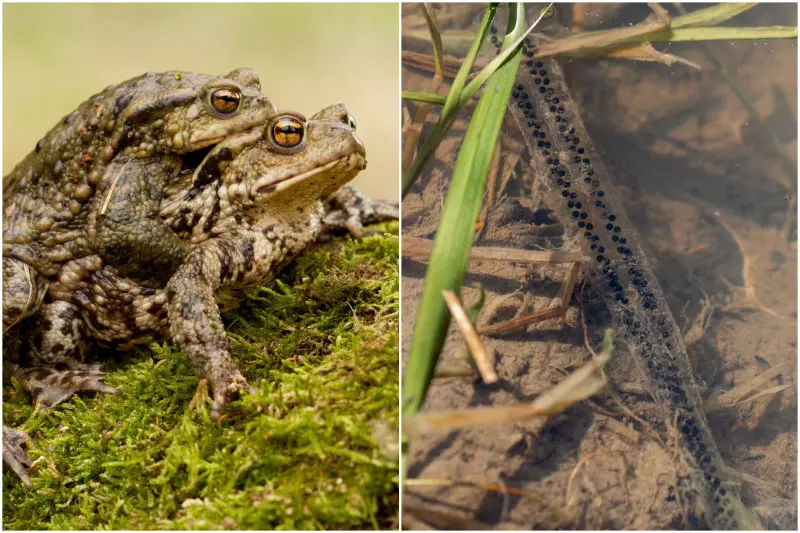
(351, 122)
(288, 132)
(226, 101)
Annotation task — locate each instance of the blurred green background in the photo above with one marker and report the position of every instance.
(308, 56)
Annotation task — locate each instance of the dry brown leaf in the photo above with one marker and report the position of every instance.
(646, 52)
(581, 384)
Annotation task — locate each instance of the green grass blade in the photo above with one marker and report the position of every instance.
(453, 242)
(472, 313)
(591, 42)
(711, 16)
(451, 105)
(436, 36)
(429, 98)
(454, 95)
(496, 63)
(726, 33)
(475, 308)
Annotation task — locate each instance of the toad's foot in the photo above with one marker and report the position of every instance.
(220, 401)
(14, 455)
(350, 210)
(23, 290)
(225, 391)
(50, 387)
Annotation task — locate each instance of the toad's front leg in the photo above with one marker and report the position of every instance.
(350, 210)
(128, 230)
(195, 322)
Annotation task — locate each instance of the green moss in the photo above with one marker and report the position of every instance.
(315, 446)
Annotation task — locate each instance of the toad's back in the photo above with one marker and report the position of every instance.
(47, 197)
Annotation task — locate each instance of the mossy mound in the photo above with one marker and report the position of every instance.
(315, 447)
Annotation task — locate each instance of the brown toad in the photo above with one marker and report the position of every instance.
(234, 214)
(134, 137)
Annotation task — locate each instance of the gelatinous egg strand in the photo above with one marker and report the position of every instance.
(652, 328)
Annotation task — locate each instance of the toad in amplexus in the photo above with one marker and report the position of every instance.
(156, 204)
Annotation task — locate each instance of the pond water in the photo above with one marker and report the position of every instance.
(705, 166)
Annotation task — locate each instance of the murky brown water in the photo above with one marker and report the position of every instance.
(712, 199)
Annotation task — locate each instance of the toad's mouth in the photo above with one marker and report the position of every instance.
(206, 167)
(287, 181)
(350, 164)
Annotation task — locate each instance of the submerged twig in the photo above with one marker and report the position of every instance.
(476, 346)
(418, 247)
